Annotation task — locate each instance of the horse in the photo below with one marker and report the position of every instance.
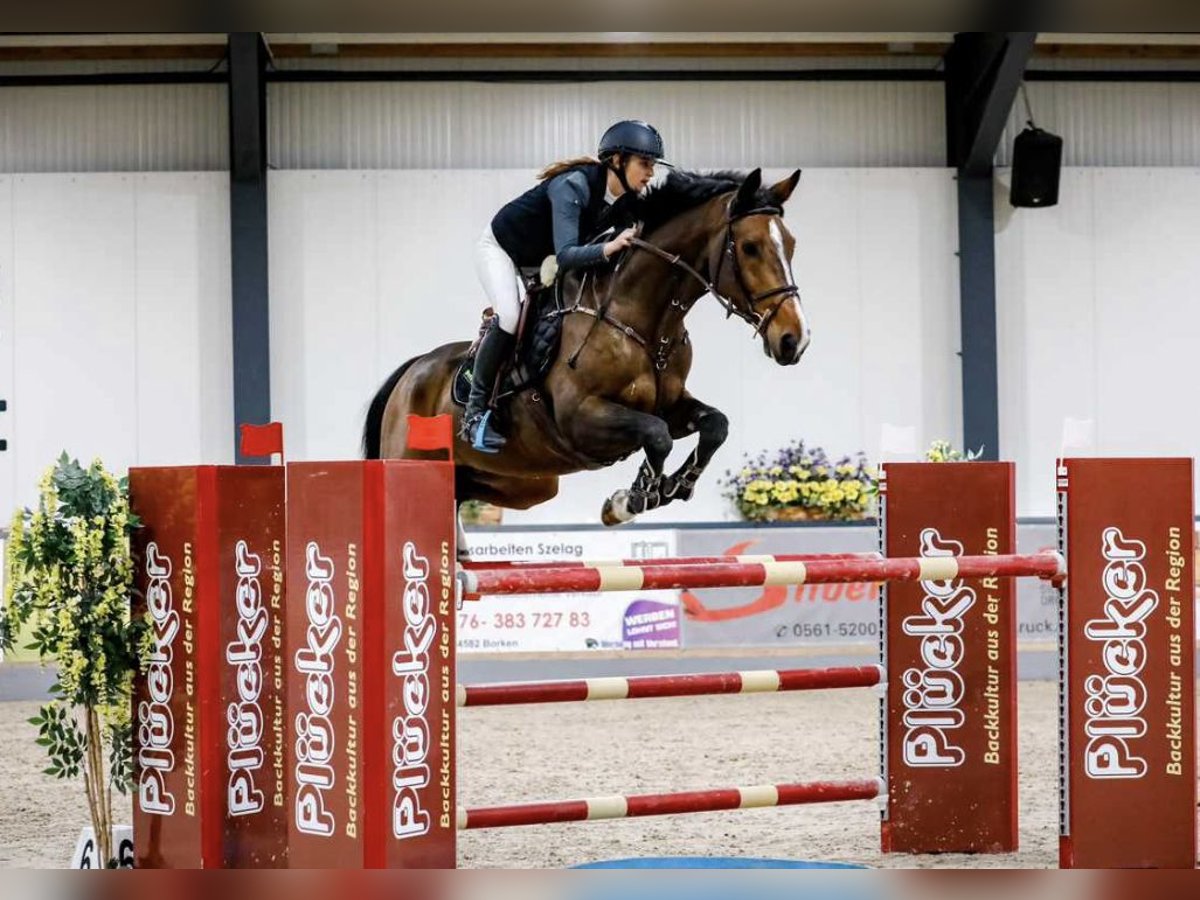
(618, 383)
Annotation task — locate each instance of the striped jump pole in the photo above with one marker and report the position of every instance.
(628, 807)
(476, 565)
(646, 686)
(651, 576)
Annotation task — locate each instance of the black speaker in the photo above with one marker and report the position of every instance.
(1037, 159)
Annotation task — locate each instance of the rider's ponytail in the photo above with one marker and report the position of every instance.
(555, 169)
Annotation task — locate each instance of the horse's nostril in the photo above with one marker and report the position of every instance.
(788, 344)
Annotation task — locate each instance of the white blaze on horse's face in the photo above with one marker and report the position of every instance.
(793, 309)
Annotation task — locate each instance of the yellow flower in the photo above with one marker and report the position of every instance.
(786, 491)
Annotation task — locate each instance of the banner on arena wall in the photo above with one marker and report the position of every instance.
(635, 620)
(780, 615)
(831, 615)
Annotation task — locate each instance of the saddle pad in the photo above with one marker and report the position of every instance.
(535, 354)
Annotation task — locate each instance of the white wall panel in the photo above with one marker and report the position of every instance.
(1147, 229)
(444, 125)
(909, 302)
(369, 269)
(184, 319)
(120, 337)
(131, 128)
(76, 360)
(1098, 320)
(325, 308)
(1045, 290)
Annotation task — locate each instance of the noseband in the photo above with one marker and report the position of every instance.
(757, 320)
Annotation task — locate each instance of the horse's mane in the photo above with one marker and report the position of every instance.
(683, 190)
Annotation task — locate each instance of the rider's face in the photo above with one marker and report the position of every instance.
(639, 172)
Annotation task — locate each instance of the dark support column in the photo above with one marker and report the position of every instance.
(983, 73)
(248, 230)
(977, 307)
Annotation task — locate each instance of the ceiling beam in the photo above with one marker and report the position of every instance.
(549, 45)
(618, 50)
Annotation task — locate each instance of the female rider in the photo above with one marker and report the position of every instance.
(572, 203)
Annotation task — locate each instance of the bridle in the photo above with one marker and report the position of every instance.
(751, 316)
(660, 350)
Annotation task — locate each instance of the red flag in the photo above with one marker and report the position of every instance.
(262, 440)
(431, 433)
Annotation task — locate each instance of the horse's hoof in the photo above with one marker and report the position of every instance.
(616, 509)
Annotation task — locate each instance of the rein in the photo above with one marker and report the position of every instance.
(662, 354)
(758, 321)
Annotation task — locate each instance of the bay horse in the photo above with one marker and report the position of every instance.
(618, 384)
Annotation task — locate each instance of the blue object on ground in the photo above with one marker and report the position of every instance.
(714, 862)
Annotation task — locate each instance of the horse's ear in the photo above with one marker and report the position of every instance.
(783, 190)
(749, 190)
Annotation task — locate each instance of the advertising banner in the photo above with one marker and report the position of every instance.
(778, 615)
(636, 620)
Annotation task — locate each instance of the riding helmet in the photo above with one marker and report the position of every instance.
(632, 136)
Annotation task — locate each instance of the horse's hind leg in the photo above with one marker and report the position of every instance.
(689, 416)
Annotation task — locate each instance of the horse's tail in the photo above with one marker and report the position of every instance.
(373, 427)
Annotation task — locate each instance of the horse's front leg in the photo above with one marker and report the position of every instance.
(690, 416)
(608, 429)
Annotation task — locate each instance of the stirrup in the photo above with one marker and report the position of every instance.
(484, 437)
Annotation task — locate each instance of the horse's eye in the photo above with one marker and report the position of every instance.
(750, 248)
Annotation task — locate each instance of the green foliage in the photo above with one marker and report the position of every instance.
(69, 577)
(63, 739)
(69, 585)
(120, 759)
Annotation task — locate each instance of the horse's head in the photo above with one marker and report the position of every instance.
(750, 258)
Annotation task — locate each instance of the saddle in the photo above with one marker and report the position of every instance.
(539, 331)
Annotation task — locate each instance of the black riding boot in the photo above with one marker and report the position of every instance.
(477, 429)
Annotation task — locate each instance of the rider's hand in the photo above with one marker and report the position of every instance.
(620, 242)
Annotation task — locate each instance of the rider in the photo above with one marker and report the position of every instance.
(572, 203)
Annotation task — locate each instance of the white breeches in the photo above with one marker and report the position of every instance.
(500, 280)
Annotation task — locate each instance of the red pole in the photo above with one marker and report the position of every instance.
(644, 686)
(650, 576)
(622, 807)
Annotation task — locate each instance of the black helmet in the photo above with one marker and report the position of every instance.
(632, 136)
